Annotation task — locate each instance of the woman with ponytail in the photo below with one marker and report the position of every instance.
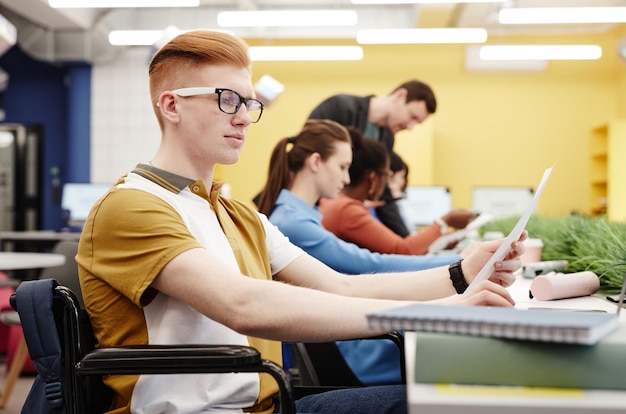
(314, 164)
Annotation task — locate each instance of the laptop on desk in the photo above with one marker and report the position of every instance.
(77, 200)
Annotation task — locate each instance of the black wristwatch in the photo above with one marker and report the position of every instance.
(457, 277)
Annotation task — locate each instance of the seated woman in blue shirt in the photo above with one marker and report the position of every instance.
(315, 164)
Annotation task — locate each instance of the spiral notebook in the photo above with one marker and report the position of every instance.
(586, 328)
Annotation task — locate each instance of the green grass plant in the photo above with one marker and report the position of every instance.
(587, 243)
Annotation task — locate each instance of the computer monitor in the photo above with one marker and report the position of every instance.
(423, 205)
(78, 198)
(501, 202)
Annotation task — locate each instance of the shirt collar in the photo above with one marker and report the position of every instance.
(176, 183)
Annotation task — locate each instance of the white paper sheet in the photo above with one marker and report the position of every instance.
(505, 247)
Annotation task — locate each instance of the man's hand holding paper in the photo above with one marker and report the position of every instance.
(502, 272)
(491, 292)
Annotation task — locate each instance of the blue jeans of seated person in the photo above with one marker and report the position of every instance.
(386, 399)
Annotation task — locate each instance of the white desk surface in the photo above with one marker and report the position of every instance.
(23, 260)
(38, 235)
(433, 399)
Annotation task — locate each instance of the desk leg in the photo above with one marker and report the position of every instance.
(19, 359)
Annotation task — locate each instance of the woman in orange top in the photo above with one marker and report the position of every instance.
(349, 219)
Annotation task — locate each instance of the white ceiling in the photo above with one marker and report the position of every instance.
(83, 32)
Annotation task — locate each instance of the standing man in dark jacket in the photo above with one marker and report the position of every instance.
(380, 118)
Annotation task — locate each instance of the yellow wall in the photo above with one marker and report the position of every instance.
(498, 129)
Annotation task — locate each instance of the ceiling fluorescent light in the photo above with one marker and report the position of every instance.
(110, 4)
(286, 18)
(300, 53)
(473, 63)
(556, 15)
(426, 36)
(541, 52)
(146, 37)
(423, 1)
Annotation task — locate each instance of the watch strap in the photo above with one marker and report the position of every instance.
(457, 277)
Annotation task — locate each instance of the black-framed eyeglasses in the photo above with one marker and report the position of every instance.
(228, 100)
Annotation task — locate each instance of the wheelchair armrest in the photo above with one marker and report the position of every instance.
(394, 336)
(186, 359)
(165, 359)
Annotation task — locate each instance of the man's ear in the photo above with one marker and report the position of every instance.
(400, 94)
(167, 106)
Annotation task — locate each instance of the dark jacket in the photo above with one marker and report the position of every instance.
(351, 110)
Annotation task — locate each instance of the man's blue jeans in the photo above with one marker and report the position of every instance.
(386, 399)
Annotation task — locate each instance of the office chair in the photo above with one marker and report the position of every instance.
(82, 365)
(321, 364)
(66, 274)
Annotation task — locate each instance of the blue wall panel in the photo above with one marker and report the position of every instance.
(57, 97)
(78, 133)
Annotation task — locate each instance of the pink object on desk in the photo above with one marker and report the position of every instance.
(564, 285)
(532, 254)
